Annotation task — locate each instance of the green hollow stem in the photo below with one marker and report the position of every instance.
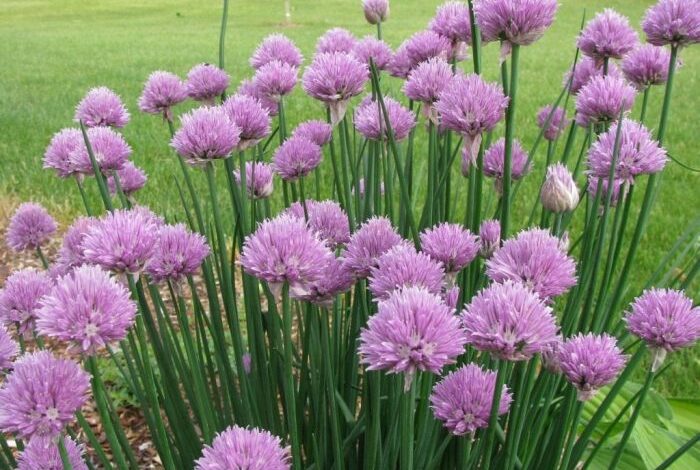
(65, 459)
(222, 35)
(408, 398)
(83, 195)
(476, 40)
(493, 416)
(677, 454)
(578, 407)
(510, 129)
(289, 388)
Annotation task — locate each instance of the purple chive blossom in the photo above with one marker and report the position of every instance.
(450, 244)
(494, 161)
(122, 241)
(607, 35)
(206, 134)
(400, 65)
(451, 20)
(590, 362)
(276, 47)
(602, 99)
(665, 320)
(412, 331)
(162, 91)
(470, 106)
(462, 400)
(21, 297)
(42, 454)
(376, 11)
(335, 280)
(549, 354)
(336, 40)
(559, 191)
(426, 82)
(674, 22)
(646, 65)
(593, 183)
(638, 153)
(178, 253)
(401, 267)
(326, 218)
(109, 148)
(425, 45)
(205, 82)
(101, 107)
(275, 80)
(451, 297)
(258, 179)
(535, 258)
(8, 349)
(30, 227)
(245, 448)
(586, 69)
(88, 309)
(41, 395)
(510, 321)
(371, 240)
(371, 123)
(249, 88)
(131, 179)
(556, 124)
(370, 47)
(250, 117)
(62, 145)
(296, 158)
(318, 132)
(489, 237)
(334, 78)
(285, 250)
(70, 255)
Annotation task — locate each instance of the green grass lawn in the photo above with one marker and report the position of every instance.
(53, 51)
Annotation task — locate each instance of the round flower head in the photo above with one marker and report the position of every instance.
(556, 123)
(41, 395)
(371, 123)
(607, 35)
(535, 258)
(109, 148)
(590, 362)
(426, 82)
(665, 320)
(42, 454)
(451, 20)
(413, 330)
(335, 280)
(646, 65)
(122, 241)
(275, 79)
(101, 107)
(594, 182)
(318, 132)
(425, 45)
(62, 145)
(8, 349)
(602, 99)
(489, 237)
(205, 82)
(376, 11)
(258, 179)
(327, 219)
(559, 191)
(206, 134)
(285, 250)
(334, 78)
(131, 179)
(462, 400)
(638, 153)
(336, 40)
(296, 158)
(371, 48)
(510, 321)
(451, 297)
(250, 117)
(250, 88)
(88, 309)
(371, 240)
(450, 244)
(243, 448)
(30, 227)
(70, 255)
(162, 91)
(400, 65)
(674, 22)
(178, 253)
(402, 266)
(276, 47)
(494, 161)
(587, 68)
(20, 299)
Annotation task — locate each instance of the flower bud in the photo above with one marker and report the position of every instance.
(559, 191)
(376, 11)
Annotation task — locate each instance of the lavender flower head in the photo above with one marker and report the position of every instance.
(590, 362)
(335, 280)
(206, 134)
(30, 227)
(8, 349)
(371, 240)
(42, 454)
(586, 69)
(258, 179)
(451, 20)
(336, 40)
(276, 47)
(602, 99)
(376, 11)
(646, 65)
(327, 219)
(59, 150)
(425, 45)
(400, 65)
(412, 331)
(489, 237)
(109, 148)
(275, 80)
(462, 400)
(535, 258)
(370, 47)
(244, 448)
(556, 124)
(178, 253)
(494, 162)
(296, 158)
(70, 255)
(510, 321)
(594, 182)
(318, 132)
(559, 191)
(370, 121)
(426, 82)
(101, 107)
(665, 320)
(401, 267)
(250, 117)
(131, 179)
(41, 395)
(162, 91)
(205, 82)
(334, 78)
(450, 244)
(249, 88)
(674, 22)
(20, 299)
(607, 35)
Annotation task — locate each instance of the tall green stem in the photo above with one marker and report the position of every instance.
(510, 128)
(289, 389)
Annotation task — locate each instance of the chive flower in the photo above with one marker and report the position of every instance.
(559, 191)
(646, 65)
(275, 80)
(401, 267)
(206, 134)
(8, 349)
(556, 124)
(673, 22)
(450, 244)
(250, 117)
(205, 82)
(425, 84)
(42, 454)
(602, 100)
(585, 69)
(258, 179)
(131, 179)
(326, 218)
(245, 448)
(608, 35)
(59, 150)
(162, 91)
(336, 40)
(296, 158)
(178, 253)
(101, 107)
(371, 123)
(375, 49)
(276, 47)
(376, 11)
(30, 227)
(494, 162)
(489, 237)
(370, 241)
(318, 132)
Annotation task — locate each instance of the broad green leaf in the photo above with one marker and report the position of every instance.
(630, 460)
(655, 445)
(686, 413)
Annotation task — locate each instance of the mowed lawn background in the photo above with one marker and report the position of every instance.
(52, 52)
